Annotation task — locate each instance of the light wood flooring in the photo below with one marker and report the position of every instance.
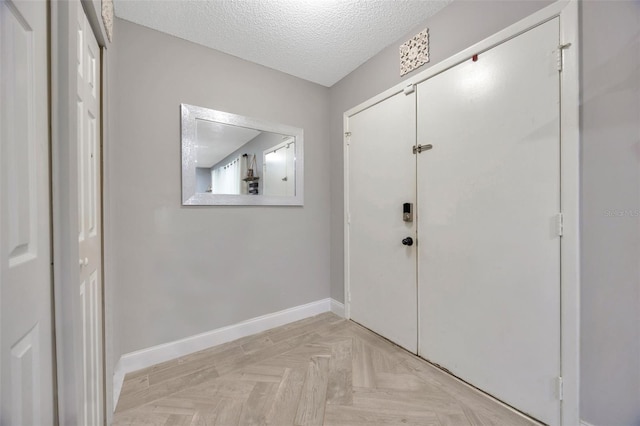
(322, 370)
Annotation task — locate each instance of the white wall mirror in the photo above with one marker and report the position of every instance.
(230, 159)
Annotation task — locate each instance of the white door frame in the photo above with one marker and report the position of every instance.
(567, 11)
(63, 45)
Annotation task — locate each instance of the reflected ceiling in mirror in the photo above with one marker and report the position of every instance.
(229, 159)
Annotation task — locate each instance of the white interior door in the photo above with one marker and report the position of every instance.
(274, 169)
(381, 178)
(279, 170)
(290, 165)
(489, 199)
(89, 221)
(26, 360)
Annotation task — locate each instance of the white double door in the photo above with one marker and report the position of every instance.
(479, 291)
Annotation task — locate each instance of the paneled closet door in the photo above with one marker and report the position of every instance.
(89, 221)
(381, 270)
(26, 331)
(489, 199)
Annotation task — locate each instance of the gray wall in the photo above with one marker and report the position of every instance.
(454, 28)
(178, 271)
(610, 114)
(203, 179)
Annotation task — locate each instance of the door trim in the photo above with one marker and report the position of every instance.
(567, 11)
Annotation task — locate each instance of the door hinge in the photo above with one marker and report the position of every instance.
(417, 149)
(409, 89)
(560, 388)
(348, 218)
(347, 137)
(560, 224)
(349, 297)
(560, 59)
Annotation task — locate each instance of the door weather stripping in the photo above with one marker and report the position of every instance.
(417, 149)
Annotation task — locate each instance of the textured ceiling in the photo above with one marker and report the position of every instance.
(215, 141)
(317, 40)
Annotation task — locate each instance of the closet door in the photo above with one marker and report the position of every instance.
(88, 314)
(26, 329)
(381, 271)
(489, 199)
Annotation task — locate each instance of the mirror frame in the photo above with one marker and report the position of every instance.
(189, 115)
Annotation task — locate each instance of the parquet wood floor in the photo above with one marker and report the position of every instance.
(322, 370)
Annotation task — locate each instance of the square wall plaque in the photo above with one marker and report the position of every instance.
(414, 52)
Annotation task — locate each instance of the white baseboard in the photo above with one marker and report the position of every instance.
(147, 357)
(337, 308)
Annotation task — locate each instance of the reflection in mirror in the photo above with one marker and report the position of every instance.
(236, 160)
(279, 168)
(232, 159)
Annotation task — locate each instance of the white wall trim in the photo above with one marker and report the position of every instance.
(347, 208)
(337, 308)
(567, 11)
(167, 351)
(570, 204)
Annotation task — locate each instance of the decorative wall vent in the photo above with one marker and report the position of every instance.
(107, 17)
(414, 53)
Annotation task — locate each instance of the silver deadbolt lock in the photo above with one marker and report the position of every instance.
(407, 212)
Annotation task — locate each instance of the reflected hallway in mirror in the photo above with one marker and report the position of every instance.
(228, 159)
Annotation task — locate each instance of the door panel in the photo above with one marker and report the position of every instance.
(488, 197)
(279, 170)
(274, 169)
(382, 271)
(89, 289)
(291, 169)
(26, 361)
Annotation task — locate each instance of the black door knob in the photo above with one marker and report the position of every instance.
(408, 241)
